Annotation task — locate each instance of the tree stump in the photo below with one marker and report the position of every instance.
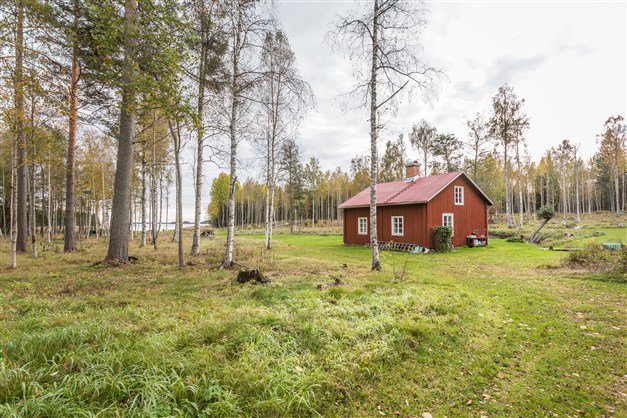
(251, 275)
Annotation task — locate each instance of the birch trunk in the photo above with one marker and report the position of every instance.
(374, 241)
(521, 211)
(564, 197)
(14, 206)
(131, 215)
(49, 214)
(578, 208)
(176, 135)
(31, 193)
(616, 179)
(96, 208)
(230, 235)
(142, 242)
(4, 228)
(508, 204)
(42, 225)
(33, 218)
(589, 197)
(195, 251)
(153, 186)
(269, 153)
(104, 201)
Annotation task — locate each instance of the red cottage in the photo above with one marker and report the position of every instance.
(408, 210)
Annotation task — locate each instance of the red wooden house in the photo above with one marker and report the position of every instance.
(408, 210)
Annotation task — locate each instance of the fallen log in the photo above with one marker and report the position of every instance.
(565, 249)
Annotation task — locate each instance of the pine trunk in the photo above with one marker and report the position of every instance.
(21, 173)
(121, 207)
(70, 173)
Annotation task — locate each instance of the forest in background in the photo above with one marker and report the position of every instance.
(562, 179)
(98, 100)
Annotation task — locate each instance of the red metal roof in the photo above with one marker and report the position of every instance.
(420, 190)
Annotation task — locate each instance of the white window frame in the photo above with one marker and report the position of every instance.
(359, 230)
(452, 225)
(402, 226)
(461, 195)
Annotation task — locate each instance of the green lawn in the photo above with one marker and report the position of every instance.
(497, 331)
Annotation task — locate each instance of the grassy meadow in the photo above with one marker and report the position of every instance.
(506, 330)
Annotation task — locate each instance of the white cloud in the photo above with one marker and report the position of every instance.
(567, 60)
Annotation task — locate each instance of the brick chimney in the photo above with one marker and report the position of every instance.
(412, 169)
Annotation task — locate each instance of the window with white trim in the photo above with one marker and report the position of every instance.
(448, 220)
(459, 195)
(362, 226)
(398, 227)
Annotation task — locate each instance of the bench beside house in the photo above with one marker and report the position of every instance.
(409, 209)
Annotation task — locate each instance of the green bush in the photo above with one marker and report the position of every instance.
(593, 255)
(612, 265)
(443, 239)
(546, 213)
(514, 239)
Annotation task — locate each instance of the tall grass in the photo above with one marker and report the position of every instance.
(484, 331)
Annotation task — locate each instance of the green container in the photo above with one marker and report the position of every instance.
(612, 246)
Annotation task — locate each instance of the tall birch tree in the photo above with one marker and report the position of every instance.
(519, 141)
(207, 47)
(506, 121)
(285, 98)
(479, 138)
(245, 27)
(380, 39)
(422, 138)
(613, 140)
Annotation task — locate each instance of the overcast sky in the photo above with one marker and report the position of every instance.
(568, 60)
